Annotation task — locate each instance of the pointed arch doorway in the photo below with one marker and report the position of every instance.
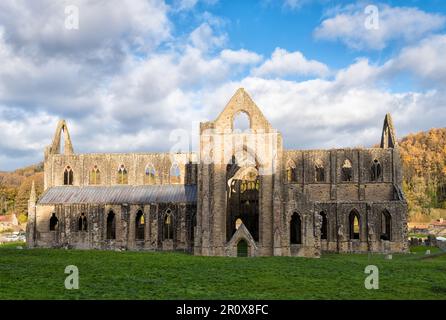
(242, 248)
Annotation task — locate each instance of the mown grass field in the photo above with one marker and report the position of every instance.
(39, 274)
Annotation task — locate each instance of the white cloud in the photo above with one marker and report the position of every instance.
(241, 56)
(23, 136)
(107, 29)
(295, 4)
(119, 95)
(185, 5)
(348, 25)
(358, 74)
(345, 111)
(205, 39)
(284, 63)
(316, 114)
(425, 60)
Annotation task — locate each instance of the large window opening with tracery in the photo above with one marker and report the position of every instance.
(243, 200)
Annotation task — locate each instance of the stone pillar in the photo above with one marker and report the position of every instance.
(317, 233)
(202, 238)
(182, 226)
(131, 228)
(266, 239)
(121, 226)
(277, 224)
(372, 237)
(197, 232)
(341, 230)
(31, 226)
(154, 227)
(277, 208)
(218, 211)
(205, 226)
(147, 226)
(405, 232)
(64, 229)
(333, 175)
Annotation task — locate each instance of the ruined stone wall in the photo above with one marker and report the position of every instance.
(361, 187)
(339, 240)
(215, 153)
(67, 233)
(109, 164)
(202, 227)
(338, 198)
(296, 202)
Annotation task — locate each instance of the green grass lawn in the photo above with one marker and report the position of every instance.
(39, 274)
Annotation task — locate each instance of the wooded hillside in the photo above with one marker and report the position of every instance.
(15, 188)
(424, 170)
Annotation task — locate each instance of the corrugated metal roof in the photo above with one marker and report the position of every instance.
(120, 194)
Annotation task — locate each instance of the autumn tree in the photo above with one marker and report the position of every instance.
(21, 206)
(424, 164)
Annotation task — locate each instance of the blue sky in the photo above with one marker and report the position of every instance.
(261, 26)
(137, 74)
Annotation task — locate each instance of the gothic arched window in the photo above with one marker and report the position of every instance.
(324, 226)
(111, 226)
(295, 229)
(139, 226)
(320, 171)
(168, 226)
(175, 174)
(375, 171)
(354, 225)
(122, 175)
(53, 222)
(347, 171)
(386, 226)
(68, 176)
(149, 174)
(95, 176)
(291, 172)
(82, 222)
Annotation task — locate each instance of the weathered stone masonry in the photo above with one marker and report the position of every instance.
(246, 197)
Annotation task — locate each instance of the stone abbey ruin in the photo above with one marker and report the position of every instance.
(241, 194)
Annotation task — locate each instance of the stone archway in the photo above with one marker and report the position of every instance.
(236, 246)
(243, 201)
(242, 248)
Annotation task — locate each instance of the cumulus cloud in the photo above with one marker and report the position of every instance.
(241, 56)
(283, 63)
(319, 113)
(23, 136)
(185, 4)
(106, 29)
(425, 60)
(132, 98)
(205, 39)
(49, 72)
(353, 26)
